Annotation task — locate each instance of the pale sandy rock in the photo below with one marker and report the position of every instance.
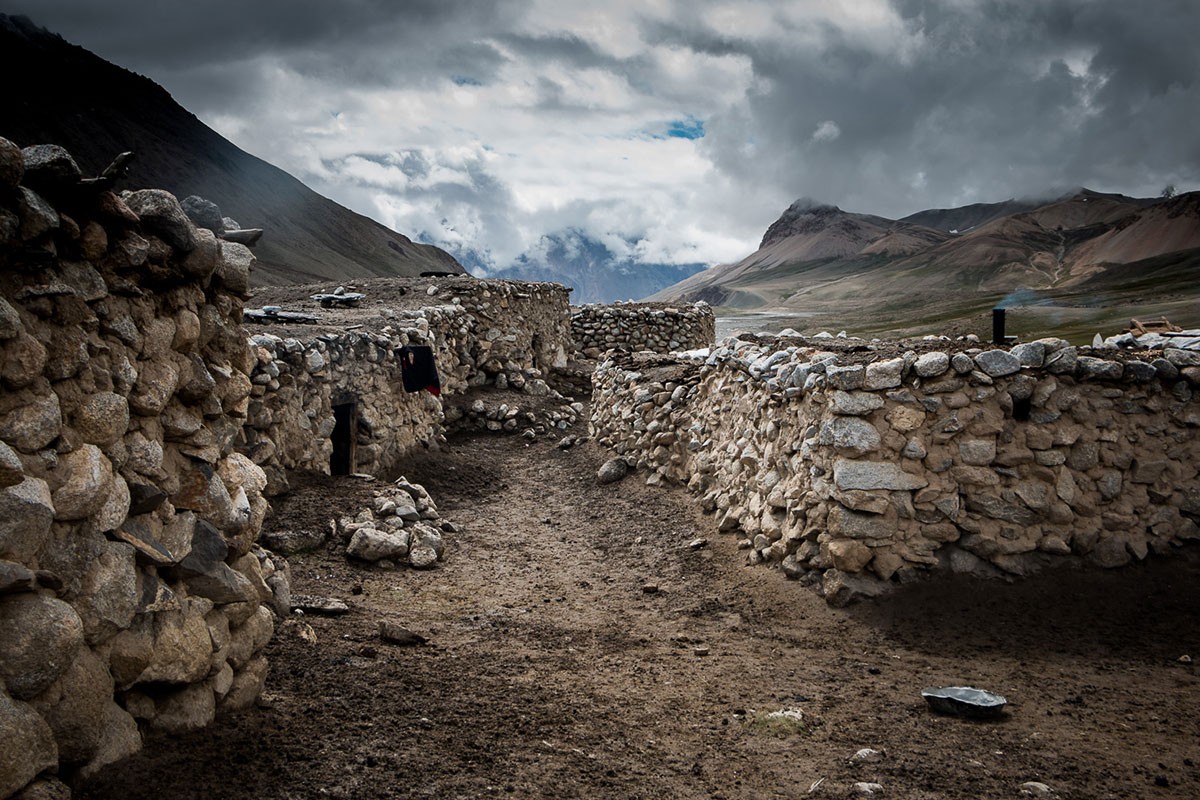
(34, 425)
(86, 477)
(102, 418)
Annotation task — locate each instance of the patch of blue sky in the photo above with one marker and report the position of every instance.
(688, 128)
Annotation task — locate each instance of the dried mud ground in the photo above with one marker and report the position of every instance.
(551, 671)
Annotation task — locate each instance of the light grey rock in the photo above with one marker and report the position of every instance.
(1030, 354)
(977, 452)
(189, 709)
(1092, 369)
(962, 363)
(10, 321)
(931, 365)
(1182, 358)
(1062, 361)
(234, 265)
(997, 363)
(109, 595)
(370, 544)
(853, 435)
(848, 474)
(884, 374)
(77, 718)
(422, 556)
(854, 403)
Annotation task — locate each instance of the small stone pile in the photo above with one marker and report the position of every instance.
(856, 466)
(641, 326)
(402, 527)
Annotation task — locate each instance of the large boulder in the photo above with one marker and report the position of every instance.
(28, 745)
(162, 215)
(42, 637)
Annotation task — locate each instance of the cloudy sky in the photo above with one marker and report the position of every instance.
(674, 130)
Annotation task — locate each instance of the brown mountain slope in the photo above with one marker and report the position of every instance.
(62, 94)
(1070, 253)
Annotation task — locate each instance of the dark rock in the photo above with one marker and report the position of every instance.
(49, 166)
(137, 534)
(12, 164)
(394, 633)
(16, 577)
(223, 585)
(208, 550)
(162, 215)
(203, 213)
(612, 471)
(144, 498)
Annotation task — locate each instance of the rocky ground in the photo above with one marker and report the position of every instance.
(604, 641)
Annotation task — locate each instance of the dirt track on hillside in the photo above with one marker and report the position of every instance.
(553, 670)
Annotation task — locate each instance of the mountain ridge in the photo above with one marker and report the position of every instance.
(68, 96)
(892, 275)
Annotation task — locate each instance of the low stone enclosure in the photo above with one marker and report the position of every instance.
(656, 327)
(855, 467)
(143, 427)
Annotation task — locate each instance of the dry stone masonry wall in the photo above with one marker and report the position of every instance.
(132, 593)
(493, 335)
(641, 326)
(853, 468)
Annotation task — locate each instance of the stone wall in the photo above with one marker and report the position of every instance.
(855, 467)
(486, 335)
(132, 594)
(641, 326)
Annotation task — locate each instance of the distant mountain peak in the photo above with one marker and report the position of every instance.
(805, 216)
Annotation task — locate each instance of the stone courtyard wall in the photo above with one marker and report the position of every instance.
(132, 594)
(641, 326)
(503, 335)
(855, 469)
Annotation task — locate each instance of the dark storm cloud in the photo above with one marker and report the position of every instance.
(461, 111)
(977, 101)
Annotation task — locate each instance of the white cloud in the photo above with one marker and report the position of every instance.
(827, 131)
(488, 125)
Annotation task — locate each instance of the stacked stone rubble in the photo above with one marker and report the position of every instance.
(132, 595)
(857, 470)
(641, 326)
(402, 527)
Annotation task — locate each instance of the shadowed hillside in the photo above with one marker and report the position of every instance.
(60, 93)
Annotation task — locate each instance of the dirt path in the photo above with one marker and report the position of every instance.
(554, 671)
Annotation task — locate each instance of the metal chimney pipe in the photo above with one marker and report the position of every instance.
(998, 337)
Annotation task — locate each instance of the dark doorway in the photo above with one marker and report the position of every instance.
(345, 433)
